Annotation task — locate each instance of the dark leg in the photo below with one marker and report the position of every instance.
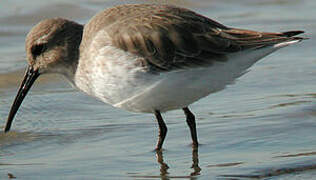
(162, 130)
(192, 125)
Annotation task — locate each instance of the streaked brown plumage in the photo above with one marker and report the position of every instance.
(170, 37)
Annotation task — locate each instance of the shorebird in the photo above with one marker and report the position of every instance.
(146, 58)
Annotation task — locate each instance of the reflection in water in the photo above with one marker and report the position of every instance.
(195, 164)
(164, 174)
(15, 138)
(11, 176)
(164, 167)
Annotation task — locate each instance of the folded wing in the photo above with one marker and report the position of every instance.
(170, 38)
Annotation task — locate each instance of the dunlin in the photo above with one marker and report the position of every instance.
(146, 58)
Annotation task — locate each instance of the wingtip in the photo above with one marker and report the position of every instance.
(292, 33)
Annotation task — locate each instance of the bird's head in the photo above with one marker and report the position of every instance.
(52, 46)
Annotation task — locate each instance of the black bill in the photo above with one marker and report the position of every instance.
(29, 78)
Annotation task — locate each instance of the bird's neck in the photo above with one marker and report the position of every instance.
(72, 59)
(69, 71)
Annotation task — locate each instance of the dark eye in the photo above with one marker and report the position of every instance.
(38, 49)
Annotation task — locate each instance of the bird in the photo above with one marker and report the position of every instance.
(146, 58)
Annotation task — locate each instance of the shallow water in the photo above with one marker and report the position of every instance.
(263, 126)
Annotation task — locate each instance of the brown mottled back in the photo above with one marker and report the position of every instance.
(169, 37)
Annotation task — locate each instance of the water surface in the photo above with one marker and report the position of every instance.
(263, 126)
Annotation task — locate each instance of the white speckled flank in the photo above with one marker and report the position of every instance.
(117, 80)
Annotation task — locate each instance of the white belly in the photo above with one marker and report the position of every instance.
(112, 77)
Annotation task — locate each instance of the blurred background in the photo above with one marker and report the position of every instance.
(263, 126)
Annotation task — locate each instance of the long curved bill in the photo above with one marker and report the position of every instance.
(29, 78)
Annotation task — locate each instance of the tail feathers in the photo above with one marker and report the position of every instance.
(291, 39)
